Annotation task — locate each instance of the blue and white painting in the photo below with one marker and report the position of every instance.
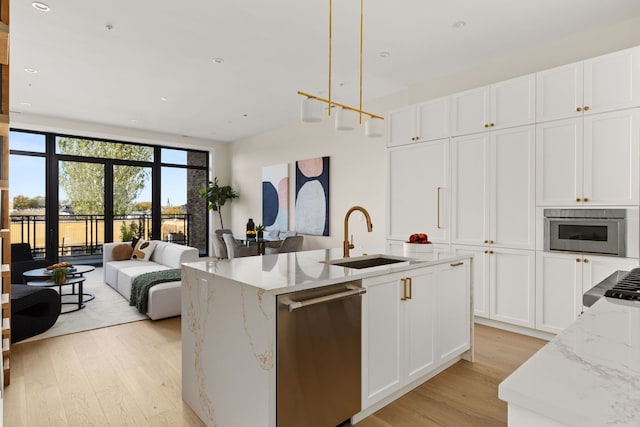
(312, 196)
(275, 197)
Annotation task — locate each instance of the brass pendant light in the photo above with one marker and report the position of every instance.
(310, 109)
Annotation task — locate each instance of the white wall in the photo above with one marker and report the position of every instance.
(358, 164)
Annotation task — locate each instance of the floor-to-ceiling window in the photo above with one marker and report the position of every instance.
(71, 194)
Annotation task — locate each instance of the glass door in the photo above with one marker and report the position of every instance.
(81, 211)
(131, 203)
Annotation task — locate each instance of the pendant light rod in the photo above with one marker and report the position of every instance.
(337, 104)
(361, 26)
(330, 49)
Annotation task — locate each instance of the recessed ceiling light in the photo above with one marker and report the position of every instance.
(245, 115)
(164, 99)
(218, 60)
(134, 121)
(384, 54)
(458, 24)
(31, 70)
(40, 6)
(26, 104)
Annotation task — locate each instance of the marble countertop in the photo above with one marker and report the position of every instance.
(289, 272)
(589, 375)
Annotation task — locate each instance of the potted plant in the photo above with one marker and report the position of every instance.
(59, 275)
(216, 196)
(260, 231)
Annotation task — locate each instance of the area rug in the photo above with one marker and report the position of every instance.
(108, 308)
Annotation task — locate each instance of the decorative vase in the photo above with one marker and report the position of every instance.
(251, 227)
(260, 234)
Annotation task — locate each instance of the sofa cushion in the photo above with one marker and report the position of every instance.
(126, 275)
(143, 250)
(122, 252)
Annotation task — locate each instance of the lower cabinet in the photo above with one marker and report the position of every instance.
(412, 323)
(503, 283)
(561, 279)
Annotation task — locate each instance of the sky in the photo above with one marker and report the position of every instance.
(27, 173)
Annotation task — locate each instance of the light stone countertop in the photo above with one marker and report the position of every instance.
(589, 375)
(289, 272)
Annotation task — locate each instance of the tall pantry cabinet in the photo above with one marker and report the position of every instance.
(5, 246)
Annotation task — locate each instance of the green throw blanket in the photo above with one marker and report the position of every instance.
(141, 285)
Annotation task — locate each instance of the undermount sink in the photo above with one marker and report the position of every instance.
(366, 261)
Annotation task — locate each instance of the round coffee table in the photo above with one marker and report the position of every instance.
(73, 281)
(42, 277)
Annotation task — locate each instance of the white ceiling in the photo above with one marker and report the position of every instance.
(164, 48)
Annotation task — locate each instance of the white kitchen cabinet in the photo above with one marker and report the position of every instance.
(398, 331)
(426, 121)
(453, 310)
(504, 104)
(562, 279)
(590, 161)
(413, 322)
(604, 83)
(493, 185)
(418, 191)
(503, 283)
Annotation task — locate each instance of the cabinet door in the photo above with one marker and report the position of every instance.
(470, 206)
(512, 184)
(611, 158)
(612, 81)
(433, 120)
(381, 339)
(559, 163)
(513, 102)
(558, 290)
(401, 126)
(479, 277)
(559, 92)
(454, 310)
(597, 268)
(512, 286)
(470, 111)
(419, 331)
(419, 191)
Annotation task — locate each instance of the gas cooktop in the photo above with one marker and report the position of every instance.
(627, 288)
(621, 285)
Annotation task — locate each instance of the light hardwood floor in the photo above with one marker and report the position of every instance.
(129, 375)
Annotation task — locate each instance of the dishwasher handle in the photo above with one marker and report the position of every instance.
(294, 305)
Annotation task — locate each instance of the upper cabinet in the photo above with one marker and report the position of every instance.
(605, 83)
(589, 161)
(501, 105)
(427, 121)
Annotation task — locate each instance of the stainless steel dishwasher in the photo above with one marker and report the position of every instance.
(319, 356)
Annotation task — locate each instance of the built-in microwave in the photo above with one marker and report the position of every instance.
(595, 231)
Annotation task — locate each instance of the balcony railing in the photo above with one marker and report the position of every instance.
(83, 235)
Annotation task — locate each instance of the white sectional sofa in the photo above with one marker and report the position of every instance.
(164, 298)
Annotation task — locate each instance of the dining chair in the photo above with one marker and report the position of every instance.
(234, 250)
(219, 246)
(289, 244)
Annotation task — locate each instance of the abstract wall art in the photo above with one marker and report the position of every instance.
(312, 196)
(275, 197)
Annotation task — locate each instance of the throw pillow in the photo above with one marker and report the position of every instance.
(143, 250)
(122, 252)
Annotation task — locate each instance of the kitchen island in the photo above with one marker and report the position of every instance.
(589, 375)
(229, 341)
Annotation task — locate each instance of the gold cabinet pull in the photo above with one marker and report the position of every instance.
(486, 241)
(438, 203)
(486, 125)
(586, 108)
(491, 241)
(410, 280)
(491, 252)
(486, 252)
(586, 260)
(578, 109)
(577, 259)
(404, 289)
(586, 199)
(457, 264)
(578, 199)
(492, 124)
